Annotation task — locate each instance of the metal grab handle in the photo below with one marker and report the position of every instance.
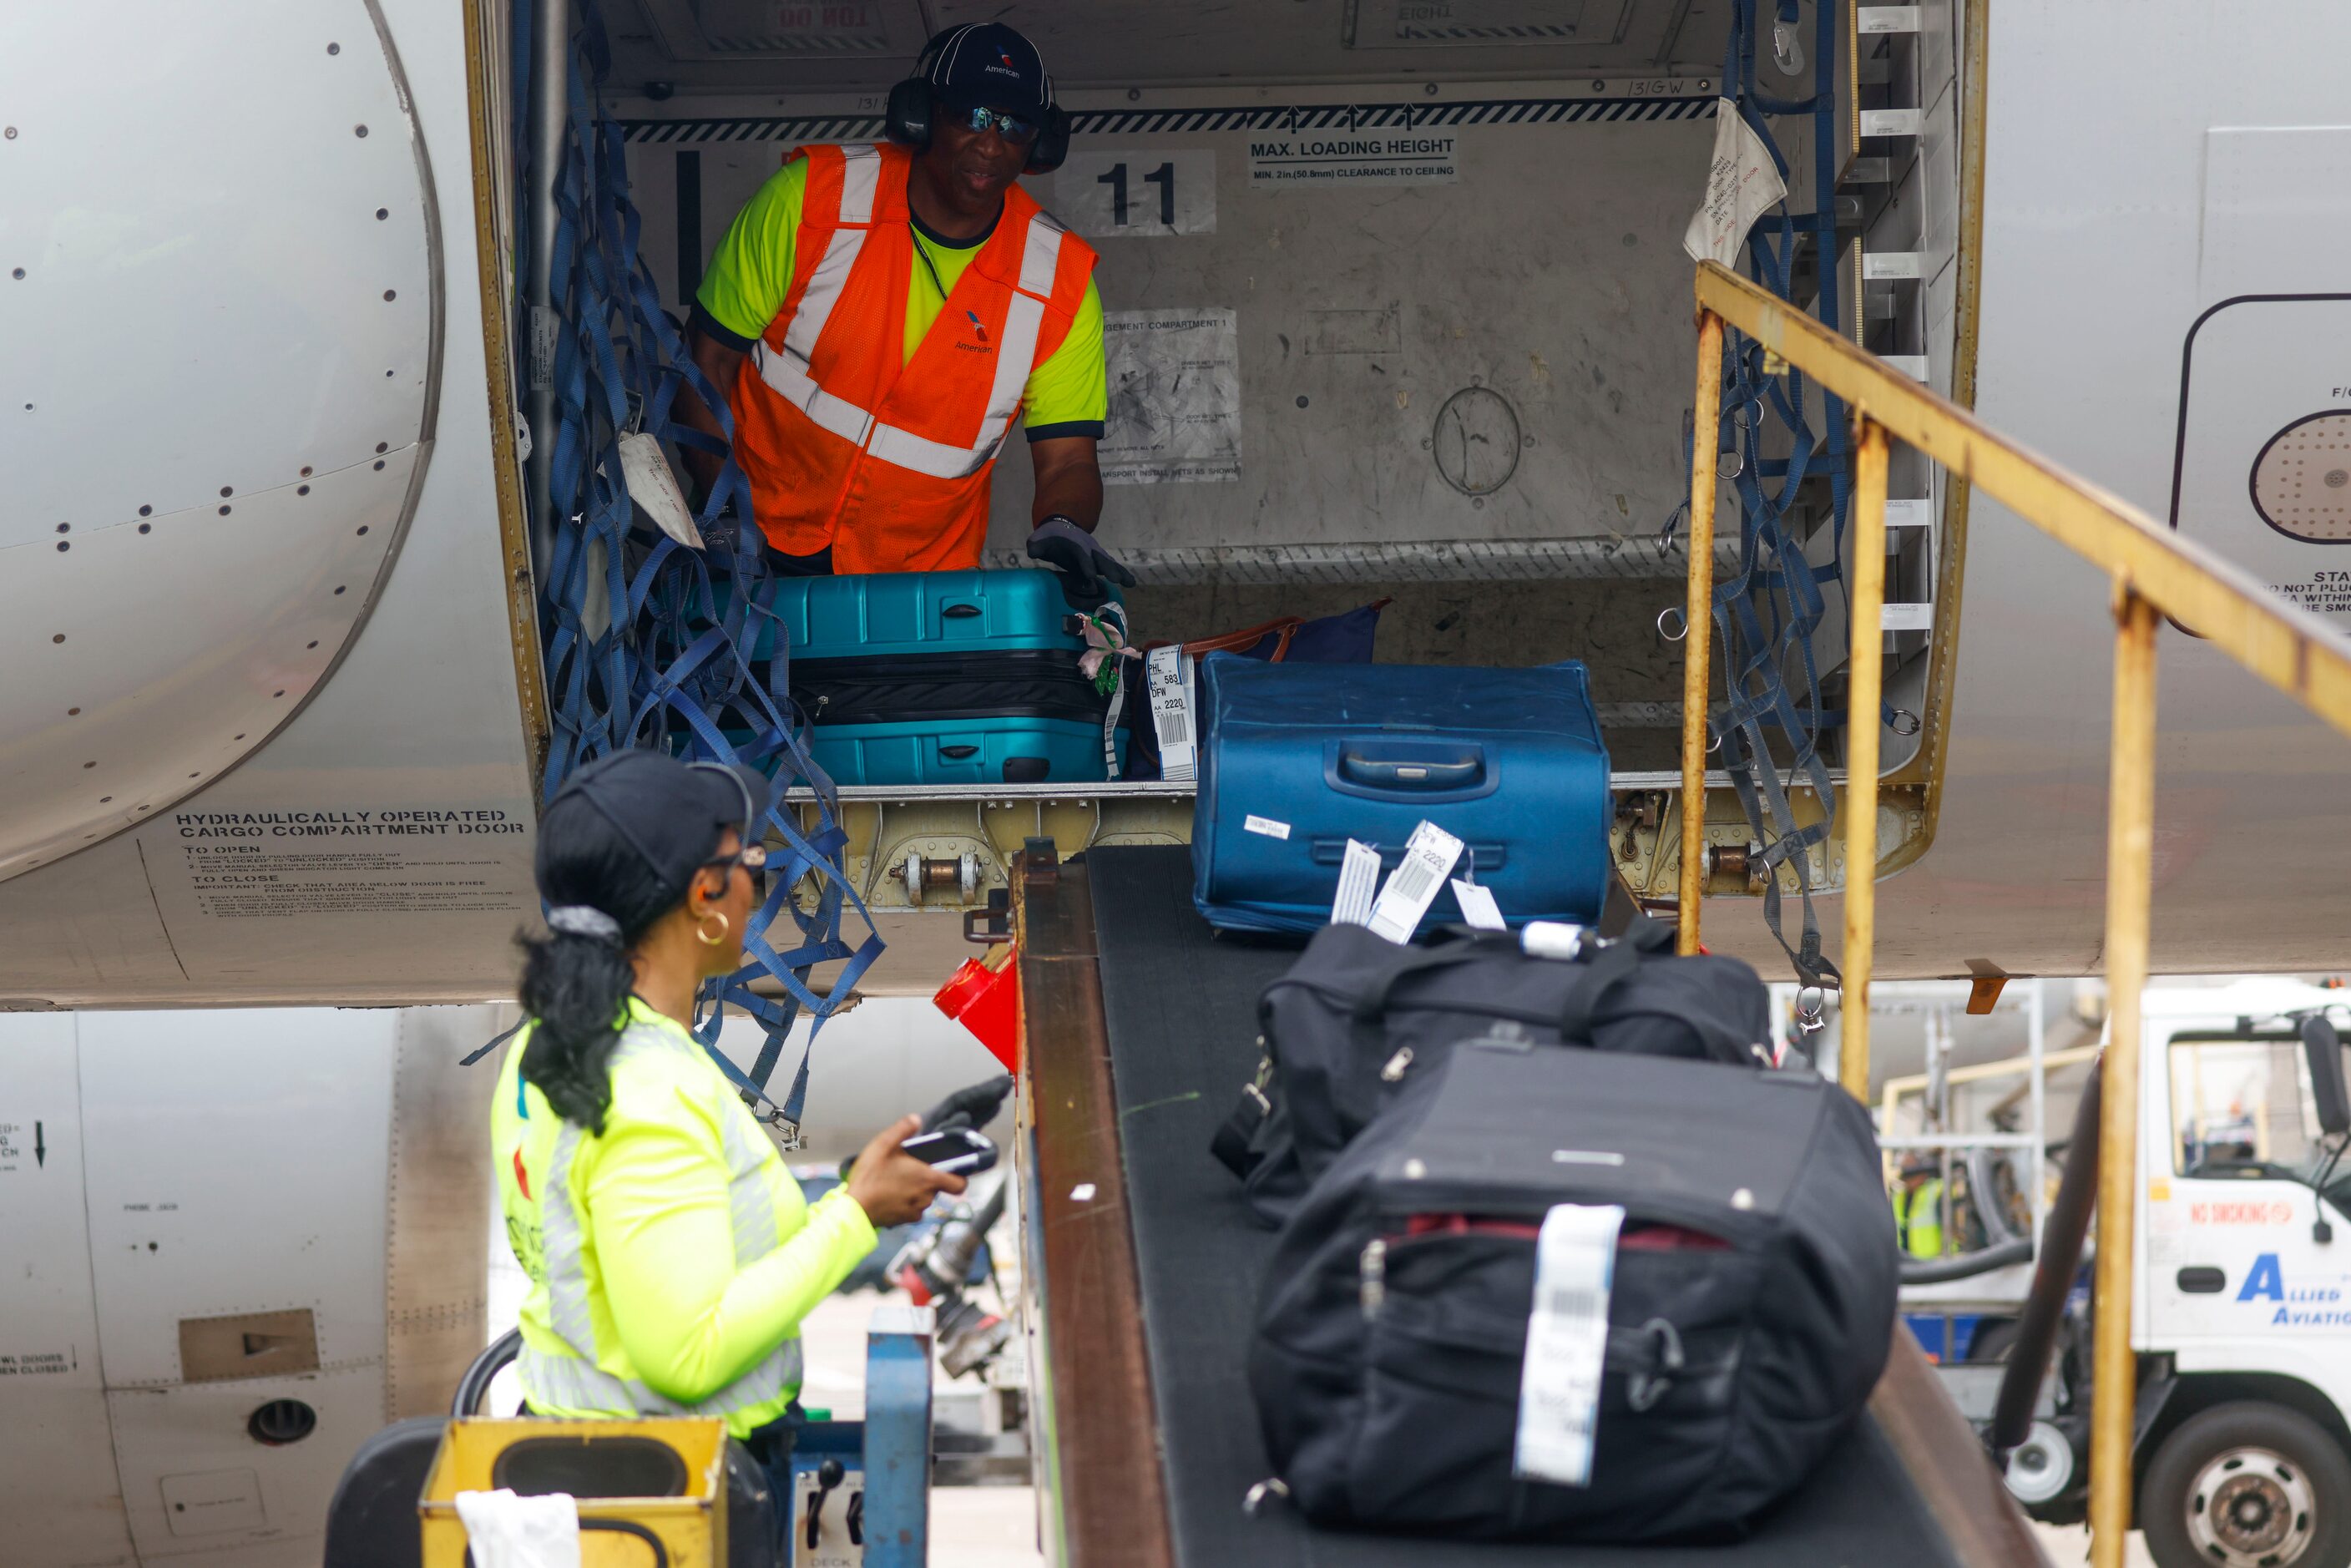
(980, 927)
(474, 1387)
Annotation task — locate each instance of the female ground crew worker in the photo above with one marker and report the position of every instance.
(670, 1253)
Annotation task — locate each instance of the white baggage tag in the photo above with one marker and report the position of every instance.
(1167, 678)
(1567, 1344)
(1477, 906)
(645, 469)
(1358, 874)
(1428, 854)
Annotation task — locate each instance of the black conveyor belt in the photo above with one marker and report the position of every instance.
(1182, 1014)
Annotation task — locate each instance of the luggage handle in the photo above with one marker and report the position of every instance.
(1463, 946)
(1281, 629)
(1409, 770)
(1334, 851)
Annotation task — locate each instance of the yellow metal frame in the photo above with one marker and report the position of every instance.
(691, 1527)
(2155, 573)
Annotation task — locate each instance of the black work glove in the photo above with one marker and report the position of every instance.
(974, 1107)
(1082, 561)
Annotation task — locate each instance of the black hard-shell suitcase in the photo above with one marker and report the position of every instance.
(1356, 1011)
(1750, 1312)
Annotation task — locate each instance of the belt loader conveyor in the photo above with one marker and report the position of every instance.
(1142, 1271)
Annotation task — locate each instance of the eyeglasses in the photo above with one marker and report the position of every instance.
(752, 858)
(1011, 127)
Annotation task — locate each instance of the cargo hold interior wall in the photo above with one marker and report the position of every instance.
(1371, 334)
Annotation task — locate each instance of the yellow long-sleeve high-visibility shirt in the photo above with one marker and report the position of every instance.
(672, 1257)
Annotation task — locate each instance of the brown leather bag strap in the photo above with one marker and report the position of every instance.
(1282, 629)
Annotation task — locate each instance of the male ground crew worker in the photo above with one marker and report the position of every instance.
(879, 313)
(1919, 1208)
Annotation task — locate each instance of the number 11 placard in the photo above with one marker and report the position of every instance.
(1103, 195)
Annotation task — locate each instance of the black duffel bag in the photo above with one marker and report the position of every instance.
(1749, 1314)
(1358, 1014)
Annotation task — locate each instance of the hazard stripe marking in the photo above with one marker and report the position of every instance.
(1129, 121)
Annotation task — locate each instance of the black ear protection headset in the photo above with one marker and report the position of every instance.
(908, 116)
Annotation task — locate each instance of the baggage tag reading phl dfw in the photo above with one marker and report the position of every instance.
(1428, 854)
(1171, 712)
(1567, 1344)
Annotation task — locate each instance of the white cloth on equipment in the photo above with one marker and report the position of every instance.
(510, 1532)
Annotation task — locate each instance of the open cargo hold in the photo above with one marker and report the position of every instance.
(1394, 310)
(1321, 394)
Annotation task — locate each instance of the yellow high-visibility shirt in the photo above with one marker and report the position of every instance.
(1919, 1215)
(751, 274)
(672, 1257)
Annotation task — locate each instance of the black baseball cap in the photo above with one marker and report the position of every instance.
(669, 812)
(987, 64)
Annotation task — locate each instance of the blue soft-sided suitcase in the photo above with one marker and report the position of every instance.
(1509, 761)
(939, 677)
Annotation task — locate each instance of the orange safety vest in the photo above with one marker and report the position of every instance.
(848, 442)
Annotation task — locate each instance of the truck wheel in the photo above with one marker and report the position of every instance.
(2248, 1485)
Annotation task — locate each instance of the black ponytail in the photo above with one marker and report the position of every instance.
(575, 986)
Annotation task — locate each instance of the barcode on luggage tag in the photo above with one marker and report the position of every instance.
(1567, 1344)
(1358, 874)
(1428, 855)
(1413, 878)
(1170, 716)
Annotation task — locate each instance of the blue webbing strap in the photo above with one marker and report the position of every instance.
(634, 656)
(1767, 610)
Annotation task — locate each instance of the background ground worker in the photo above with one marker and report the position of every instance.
(670, 1253)
(879, 313)
(1919, 1208)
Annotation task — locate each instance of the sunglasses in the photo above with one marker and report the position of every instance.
(1011, 127)
(752, 858)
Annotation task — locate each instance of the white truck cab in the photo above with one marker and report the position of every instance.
(2240, 1296)
(2243, 1295)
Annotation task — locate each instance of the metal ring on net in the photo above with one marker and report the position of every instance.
(1904, 722)
(1729, 464)
(1812, 1007)
(1748, 412)
(1681, 619)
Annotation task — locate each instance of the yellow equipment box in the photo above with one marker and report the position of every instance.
(651, 1493)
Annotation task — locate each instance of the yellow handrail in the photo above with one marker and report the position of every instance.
(2155, 573)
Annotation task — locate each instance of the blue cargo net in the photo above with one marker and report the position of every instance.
(1767, 609)
(639, 650)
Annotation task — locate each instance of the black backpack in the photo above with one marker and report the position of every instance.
(1357, 1013)
(1749, 1315)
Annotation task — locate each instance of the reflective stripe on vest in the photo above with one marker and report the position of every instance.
(575, 1381)
(788, 374)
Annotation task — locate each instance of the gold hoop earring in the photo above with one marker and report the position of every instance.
(725, 925)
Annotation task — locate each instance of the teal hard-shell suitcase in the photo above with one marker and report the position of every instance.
(938, 677)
